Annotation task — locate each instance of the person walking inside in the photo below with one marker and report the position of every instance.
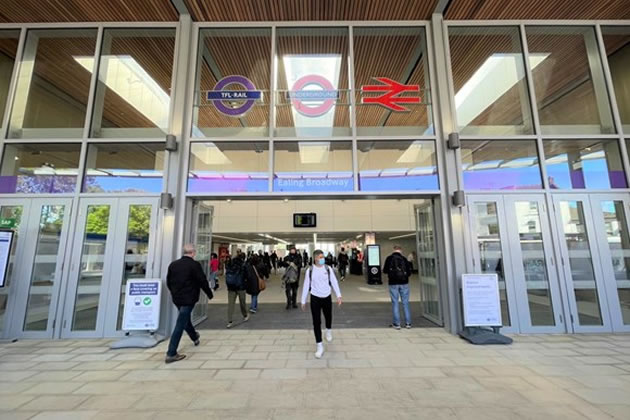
(291, 277)
(255, 282)
(342, 261)
(235, 281)
(185, 279)
(214, 271)
(274, 261)
(319, 282)
(398, 271)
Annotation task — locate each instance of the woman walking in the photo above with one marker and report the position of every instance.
(214, 271)
(319, 282)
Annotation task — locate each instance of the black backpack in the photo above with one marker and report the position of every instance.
(235, 274)
(398, 268)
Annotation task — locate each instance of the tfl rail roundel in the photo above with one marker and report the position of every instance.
(248, 97)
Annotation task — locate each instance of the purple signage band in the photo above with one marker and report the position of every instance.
(219, 94)
(299, 96)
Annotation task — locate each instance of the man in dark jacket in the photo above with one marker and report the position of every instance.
(185, 279)
(292, 283)
(398, 271)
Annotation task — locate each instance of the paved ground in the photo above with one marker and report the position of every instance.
(366, 374)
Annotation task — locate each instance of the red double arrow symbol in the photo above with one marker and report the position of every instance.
(390, 99)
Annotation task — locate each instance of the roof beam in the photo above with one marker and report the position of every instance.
(441, 6)
(181, 7)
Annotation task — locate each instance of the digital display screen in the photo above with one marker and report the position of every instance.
(304, 220)
(374, 255)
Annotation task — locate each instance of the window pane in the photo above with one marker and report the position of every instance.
(8, 49)
(39, 168)
(134, 83)
(569, 81)
(44, 268)
(617, 42)
(398, 54)
(229, 60)
(312, 98)
(594, 164)
(491, 96)
(397, 166)
(500, 165)
(124, 167)
(323, 166)
(229, 167)
(53, 84)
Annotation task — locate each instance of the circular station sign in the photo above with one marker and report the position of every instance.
(247, 97)
(302, 99)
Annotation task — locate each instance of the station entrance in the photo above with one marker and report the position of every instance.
(226, 227)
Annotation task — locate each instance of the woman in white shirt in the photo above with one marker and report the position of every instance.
(320, 281)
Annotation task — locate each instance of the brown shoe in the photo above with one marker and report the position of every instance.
(176, 358)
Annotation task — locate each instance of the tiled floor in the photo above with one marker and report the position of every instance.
(365, 374)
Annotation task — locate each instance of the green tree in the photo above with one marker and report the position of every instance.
(139, 221)
(97, 220)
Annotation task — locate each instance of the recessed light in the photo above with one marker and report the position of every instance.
(286, 200)
(229, 200)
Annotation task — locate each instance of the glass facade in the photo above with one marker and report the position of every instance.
(346, 109)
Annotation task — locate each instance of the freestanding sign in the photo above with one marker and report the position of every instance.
(374, 264)
(482, 304)
(6, 240)
(142, 305)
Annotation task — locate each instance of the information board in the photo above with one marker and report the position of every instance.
(142, 305)
(374, 255)
(6, 240)
(482, 304)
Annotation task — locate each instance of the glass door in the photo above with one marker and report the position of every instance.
(14, 215)
(581, 263)
(511, 237)
(428, 262)
(201, 236)
(114, 241)
(39, 251)
(610, 217)
(533, 265)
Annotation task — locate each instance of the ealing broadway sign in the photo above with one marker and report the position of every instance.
(303, 99)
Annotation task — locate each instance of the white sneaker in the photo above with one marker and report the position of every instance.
(329, 335)
(320, 351)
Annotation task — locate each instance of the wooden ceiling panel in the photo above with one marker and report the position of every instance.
(87, 11)
(537, 9)
(306, 10)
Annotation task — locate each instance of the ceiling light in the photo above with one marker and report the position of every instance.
(229, 200)
(286, 200)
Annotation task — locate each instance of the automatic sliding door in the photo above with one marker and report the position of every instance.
(428, 265)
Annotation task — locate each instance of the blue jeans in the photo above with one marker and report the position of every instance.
(213, 279)
(183, 323)
(254, 304)
(396, 292)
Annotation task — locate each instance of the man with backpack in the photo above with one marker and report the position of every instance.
(342, 261)
(398, 271)
(320, 282)
(235, 273)
(291, 277)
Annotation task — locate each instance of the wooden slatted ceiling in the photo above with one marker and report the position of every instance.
(297, 10)
(537, 9)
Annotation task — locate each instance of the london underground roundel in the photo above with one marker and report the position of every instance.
(245, 99)
(313, 102)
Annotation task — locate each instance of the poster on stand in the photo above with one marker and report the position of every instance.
(482, 304)
(142, 305)
(6, 241)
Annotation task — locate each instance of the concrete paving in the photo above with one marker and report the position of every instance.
(365, 374)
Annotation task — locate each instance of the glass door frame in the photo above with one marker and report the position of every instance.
(565, 266)
(608, 272)
(197, 207)
(113, 263)
(123, 207)
(516, 260)
(28, 235)
(433, 203)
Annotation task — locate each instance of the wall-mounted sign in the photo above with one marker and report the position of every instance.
(247, 98)
(308, 220)
(142, 305)
(482, 304)
(313, 102)
(8, 223)
(390, 98)
(6, 240)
